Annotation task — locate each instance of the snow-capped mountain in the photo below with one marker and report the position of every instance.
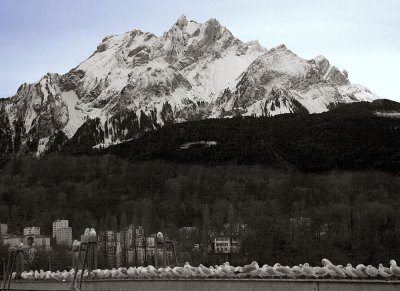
(137, 81)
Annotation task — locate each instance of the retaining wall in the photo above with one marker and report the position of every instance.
(214, 284)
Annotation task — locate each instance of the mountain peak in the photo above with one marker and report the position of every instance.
(214, 22)
(181, 22)
(138, 81)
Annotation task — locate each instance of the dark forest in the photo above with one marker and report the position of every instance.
(292, 216)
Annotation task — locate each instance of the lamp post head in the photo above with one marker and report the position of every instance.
(160, 236)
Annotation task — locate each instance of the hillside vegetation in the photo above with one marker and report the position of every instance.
(349, 137)
(292, 217)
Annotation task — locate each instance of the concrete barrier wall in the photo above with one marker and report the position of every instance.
(215, 284)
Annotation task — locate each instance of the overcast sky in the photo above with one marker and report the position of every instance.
(361, 36)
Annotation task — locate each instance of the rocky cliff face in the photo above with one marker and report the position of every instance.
(281, 82)
(137, 82)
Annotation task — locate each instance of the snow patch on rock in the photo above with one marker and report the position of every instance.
(76, 117)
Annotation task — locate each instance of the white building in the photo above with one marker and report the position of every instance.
(63, 223)
(140, 255)
(225, 245)
(131, 257)
(3, 229)
(151, 240)
(110, 248)
(139, 236)
(221, 244)
(118, 250)
(63, 236)
(150, 248)
(12, 240)
(128, 236)
(32, 230)
(37, 241)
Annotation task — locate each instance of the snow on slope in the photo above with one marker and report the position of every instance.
(356, 92)
(318, 98)
(293, 84)
(211, 77)
(192, 26)
(75, 116)
(191, 61)
(30, 116)
(388, 114)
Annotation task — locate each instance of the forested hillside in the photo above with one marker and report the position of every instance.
(351, 137)
(292, 216)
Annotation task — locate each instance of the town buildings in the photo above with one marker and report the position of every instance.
(226, 245)
(31, 237)
(32, 230)
(63, 236)
(110, 248)
(62, 232)
(11, 240)
(57, 224)
(225, 241)
(126, 247)
(131, 246)
(41, 242)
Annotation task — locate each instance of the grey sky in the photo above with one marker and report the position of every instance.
(363, 37)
